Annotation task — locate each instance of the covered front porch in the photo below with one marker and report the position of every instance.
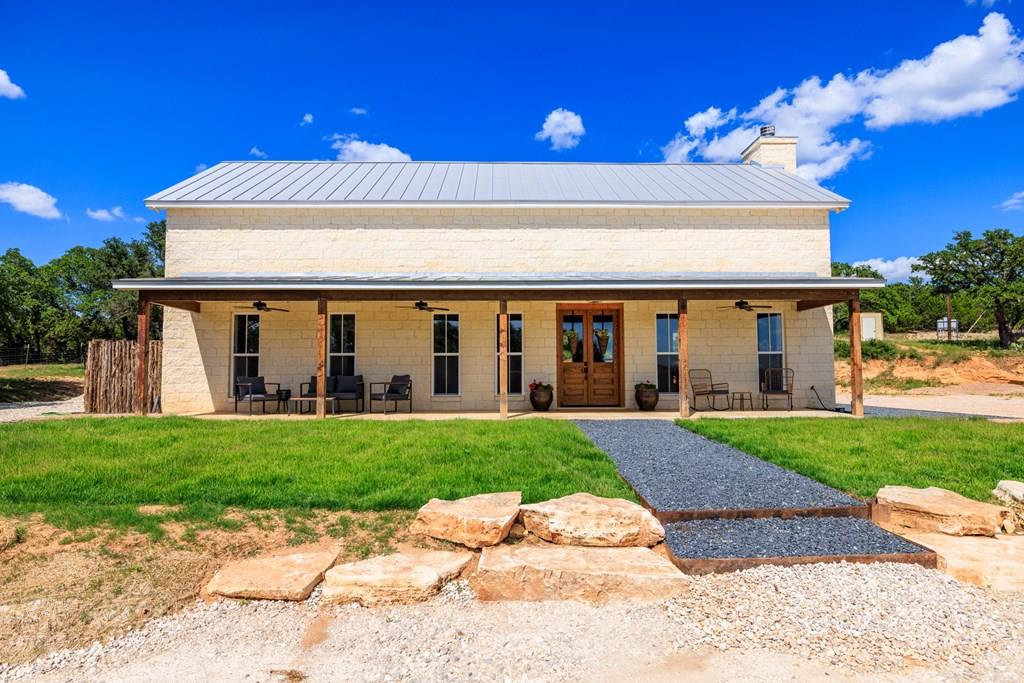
(473, 345)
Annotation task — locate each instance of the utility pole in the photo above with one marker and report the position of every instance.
(949, 317)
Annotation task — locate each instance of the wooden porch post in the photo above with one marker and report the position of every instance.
(856, 362)
(684, 361)
(503, 359)
(142, 355)
(321, 357)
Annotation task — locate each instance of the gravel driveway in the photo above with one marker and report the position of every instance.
(14, 412)
(770, 623)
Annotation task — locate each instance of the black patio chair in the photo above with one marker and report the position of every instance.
(777, 383)
(701, 384)
(398, 389)
(254, 390)
(348, 388)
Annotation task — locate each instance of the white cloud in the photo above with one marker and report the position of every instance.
(983, 3)
(8, 88)
(359, 111)
(306, 120)
(351, 148)
(29, 199)
(1015, 202)
(563, 128)
(968, 75)
(201, 167)
(257, 152)
(897, 269)
(113, 214)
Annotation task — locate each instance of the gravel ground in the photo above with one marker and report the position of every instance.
(771, 623)
(675, 469)
(14, 412)
(774, 537)
(881, 411)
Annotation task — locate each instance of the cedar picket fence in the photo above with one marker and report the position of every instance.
(110, 376)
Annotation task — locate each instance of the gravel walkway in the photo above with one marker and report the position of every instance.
(15, 412)
(802, 623)
(774, 537)
(677, 470)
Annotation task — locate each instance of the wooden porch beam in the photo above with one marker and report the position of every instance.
(142, 355)
(856, 362)
(567, 295)
(321, 358)
(503, 359)
(684, 360)
(193, 306)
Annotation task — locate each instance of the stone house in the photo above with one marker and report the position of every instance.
(599, 276)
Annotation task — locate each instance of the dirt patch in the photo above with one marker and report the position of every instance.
(914, 374)
(22, 390)
(66, 589)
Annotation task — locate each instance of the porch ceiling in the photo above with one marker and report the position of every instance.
(810, 290)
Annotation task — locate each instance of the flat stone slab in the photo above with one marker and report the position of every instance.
(561, 572)
(996, 563)
(272, 577)
(585, 519)
(906, 509)
(682, 475)
(1010, 492)
(408, 576)
(476, 521)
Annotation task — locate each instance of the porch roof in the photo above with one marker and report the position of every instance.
(482, 282)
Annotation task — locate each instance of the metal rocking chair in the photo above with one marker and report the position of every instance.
(701, 384)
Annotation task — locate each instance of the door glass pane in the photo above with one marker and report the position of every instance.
(572, 339)
(604, 338)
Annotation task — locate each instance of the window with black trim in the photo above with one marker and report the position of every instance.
(446, 354)
(668, 352)
(341, 346)
(515, 353)
(245, 347)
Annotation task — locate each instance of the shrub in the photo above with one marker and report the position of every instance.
(874, 349)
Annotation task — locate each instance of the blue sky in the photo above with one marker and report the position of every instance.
(102, 104)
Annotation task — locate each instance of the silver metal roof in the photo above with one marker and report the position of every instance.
(336, 183)
(488, 281)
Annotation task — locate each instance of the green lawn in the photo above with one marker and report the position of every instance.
(43, 371)
(861, 456)
(90, 470)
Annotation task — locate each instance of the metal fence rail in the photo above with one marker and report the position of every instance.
(13, 355)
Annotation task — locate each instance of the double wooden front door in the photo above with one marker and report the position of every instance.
(589, 355)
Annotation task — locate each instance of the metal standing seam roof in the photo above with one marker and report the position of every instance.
(338, 183)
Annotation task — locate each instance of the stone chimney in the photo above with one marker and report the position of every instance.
(768, 150)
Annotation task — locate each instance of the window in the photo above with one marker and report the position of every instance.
(341, 347)
(515, 353)
(668, 352)
(446, 354)
(769, 343)
(245, 349)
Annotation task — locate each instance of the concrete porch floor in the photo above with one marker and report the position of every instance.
(563, 414)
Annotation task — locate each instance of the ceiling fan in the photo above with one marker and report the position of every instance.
(262, 307)
(743, 305)
(424, 306)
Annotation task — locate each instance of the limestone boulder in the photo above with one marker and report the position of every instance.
(291, 576)
(1010, 492)
(408, 576)
(996, 563)
(905, 509)
(585, 519)
(475, 522)
(563, 572)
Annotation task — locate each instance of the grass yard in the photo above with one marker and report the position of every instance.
(861, 456)
(88, 471)
(21, 383)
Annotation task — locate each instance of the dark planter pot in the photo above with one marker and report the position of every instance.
(541, 399)
(646, 399)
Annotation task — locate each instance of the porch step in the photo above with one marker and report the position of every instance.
(709, 546)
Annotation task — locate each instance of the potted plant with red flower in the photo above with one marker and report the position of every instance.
(646, 395)
(541, 395)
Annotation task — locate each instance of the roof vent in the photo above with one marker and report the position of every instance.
(768, 131)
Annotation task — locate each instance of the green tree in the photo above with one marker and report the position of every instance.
(990, 269)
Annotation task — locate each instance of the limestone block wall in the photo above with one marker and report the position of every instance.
(390, 340)
(494, 240)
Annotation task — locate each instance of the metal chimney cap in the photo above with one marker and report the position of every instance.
(768, 131)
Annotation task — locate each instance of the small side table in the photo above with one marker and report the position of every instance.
(744, 397)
